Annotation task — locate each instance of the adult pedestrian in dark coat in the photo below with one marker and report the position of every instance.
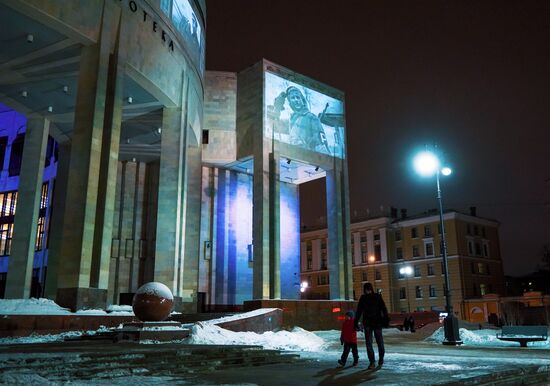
(374, 315)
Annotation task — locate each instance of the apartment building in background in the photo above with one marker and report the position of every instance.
(383, 245)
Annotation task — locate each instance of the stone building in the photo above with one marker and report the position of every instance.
(383, 245)
(162, 171)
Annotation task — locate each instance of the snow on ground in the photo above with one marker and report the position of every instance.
(244, 315)
(483, 338)
(48, 338)
(31, 306)
(297, 339)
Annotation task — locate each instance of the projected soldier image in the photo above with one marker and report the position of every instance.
(303, 117)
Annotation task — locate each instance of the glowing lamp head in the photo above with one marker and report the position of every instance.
(426, 164)
(371, 259)
(446, 171)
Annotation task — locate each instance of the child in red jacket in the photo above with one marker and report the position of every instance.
(348, 337)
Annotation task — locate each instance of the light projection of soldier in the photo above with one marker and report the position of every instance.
(304, 127)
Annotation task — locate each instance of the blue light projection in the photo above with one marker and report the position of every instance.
(290, 241)
(233, 277)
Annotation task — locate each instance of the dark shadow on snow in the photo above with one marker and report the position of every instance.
(337, 376)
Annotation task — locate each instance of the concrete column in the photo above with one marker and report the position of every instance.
(168, 249)
(58, 214)
(28, 203)
(261, 221)
(192, 228)
(103, 233)
(274, 227)
(339, 244)
(75, 269)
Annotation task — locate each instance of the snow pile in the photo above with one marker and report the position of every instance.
(156, 289)
(482, 338)
(31, 306)
(34, 338)
(297, 339)
(115, 309)
(244, 315)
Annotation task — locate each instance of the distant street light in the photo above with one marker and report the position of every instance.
(427, 164)
(407, 271)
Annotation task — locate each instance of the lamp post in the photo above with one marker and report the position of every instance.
(427, 164)
(407, 272)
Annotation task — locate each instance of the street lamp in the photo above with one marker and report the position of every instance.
(427, 164)
(407, 271)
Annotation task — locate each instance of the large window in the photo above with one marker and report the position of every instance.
(402, 293)
(415, 251)
(432, 291)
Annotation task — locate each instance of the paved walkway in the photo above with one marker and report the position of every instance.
(409, 361)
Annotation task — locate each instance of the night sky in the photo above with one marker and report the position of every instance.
(473, 77)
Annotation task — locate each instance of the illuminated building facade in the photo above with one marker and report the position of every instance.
(163, 172)
(383, 245)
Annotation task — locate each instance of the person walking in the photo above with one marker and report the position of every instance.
(348, 338)
(374, 314)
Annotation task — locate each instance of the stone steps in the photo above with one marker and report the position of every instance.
(144, 360)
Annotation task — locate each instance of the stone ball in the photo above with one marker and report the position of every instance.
(153, 302)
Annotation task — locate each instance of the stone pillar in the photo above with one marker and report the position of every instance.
(103, 233)
(28, 203)
(339, 245)
(274, 227)
(79, 226)
(58, 214)
(190, 281)
(261, 220)
(171, 213)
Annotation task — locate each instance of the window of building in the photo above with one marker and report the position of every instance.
(6, 234)
(324, 244)
(397, 235)
(377, 253)
(363, 256)
(476, 230)
(418, 292)
(16, 155)
(309, 261)
(468, 229)
(309, 246)
(323, 260)
(483, 233)
(429, 249)
(427, 231)
(415, 251)
(482, 289)
(378, 275)
(3, 145)
(485, 249)
(363, 238)
(432, 291)
(376, 237)
(431, 270)
(39, 244)
(205, 137)
(478, 249)
(399, 253)
(480, 268)
(400, 275)
(417, 271)
(487, 271)
(364, 276)
(402, 293)
(473, 267)
(470, 248)
(414, 233)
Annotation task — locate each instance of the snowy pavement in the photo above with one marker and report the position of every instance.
(409, 360)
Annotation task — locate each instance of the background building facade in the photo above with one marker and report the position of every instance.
(382, 246)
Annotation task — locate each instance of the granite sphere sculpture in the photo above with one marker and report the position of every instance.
(153, 302)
